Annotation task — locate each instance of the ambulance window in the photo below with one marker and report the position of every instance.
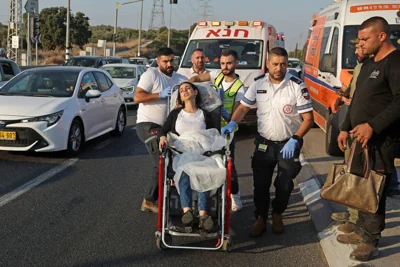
(325, 38)
(334, 48)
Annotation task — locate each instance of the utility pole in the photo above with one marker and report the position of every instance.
(190, 22)
(28, 41)
(140, 29)
(14, 29)
(67, 43)
(206, 9)
(157, 15)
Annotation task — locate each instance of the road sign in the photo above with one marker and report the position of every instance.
(32, 6)
(37, 39)
(15, 42)
(101, 43)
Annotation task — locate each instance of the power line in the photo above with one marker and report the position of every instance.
(206, 9)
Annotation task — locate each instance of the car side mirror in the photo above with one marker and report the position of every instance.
(92, 94)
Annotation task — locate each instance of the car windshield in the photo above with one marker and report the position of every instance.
(293, 64)
(349, 59)
(42, 83)
(250, 52)
(138, 61)
(121, 72)
(114, 60)
(81, 62)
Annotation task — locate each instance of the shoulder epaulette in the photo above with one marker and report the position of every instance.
(259, 77)
(296, 80)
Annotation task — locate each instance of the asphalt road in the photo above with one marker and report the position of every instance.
(89, 213)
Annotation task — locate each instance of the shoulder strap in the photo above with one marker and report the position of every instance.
(218, 79)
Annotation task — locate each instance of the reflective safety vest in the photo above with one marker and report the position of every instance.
(229, 95)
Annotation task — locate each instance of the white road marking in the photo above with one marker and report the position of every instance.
(36, 181)
(103, 144)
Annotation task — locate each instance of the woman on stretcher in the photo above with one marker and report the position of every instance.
(189, 118)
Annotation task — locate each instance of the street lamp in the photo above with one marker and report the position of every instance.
(170, 19)
(67, 37)
(118, 5)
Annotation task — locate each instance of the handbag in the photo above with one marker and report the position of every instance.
(358, 192)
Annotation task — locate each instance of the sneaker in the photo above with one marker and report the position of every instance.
(187, 218)
(206, 223)
(149, 206)
(236, 203)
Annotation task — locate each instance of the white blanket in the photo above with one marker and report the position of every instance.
(206, 173)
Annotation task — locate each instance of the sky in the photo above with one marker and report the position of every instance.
(289, 16)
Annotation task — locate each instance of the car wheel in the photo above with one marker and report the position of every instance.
(75, 138)
(120, 123)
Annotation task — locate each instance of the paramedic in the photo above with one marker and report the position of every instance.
(198, 59)
(233, 91)
(284, 117)
(152, 93)
(188, 118)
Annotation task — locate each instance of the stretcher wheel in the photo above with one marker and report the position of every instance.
(228, 245)
(160, 245)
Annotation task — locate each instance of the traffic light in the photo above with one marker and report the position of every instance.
(173, 1)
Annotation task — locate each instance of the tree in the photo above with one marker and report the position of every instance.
(80, 32)
(52, 27)
(53, 24)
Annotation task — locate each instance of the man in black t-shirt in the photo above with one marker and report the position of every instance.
(372, 119)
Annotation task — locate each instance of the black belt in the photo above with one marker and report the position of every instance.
(266, 141)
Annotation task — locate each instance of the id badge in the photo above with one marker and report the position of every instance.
(262, 147)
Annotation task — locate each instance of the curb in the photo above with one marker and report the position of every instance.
(336, 254)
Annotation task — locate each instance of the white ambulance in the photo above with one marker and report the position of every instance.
(329, 60)
(250, 39)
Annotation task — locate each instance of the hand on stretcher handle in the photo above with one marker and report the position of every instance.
(162, 146)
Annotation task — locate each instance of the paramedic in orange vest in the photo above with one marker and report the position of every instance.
(233, 91)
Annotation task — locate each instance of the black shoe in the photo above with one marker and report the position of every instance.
(206, 223)
(187, 218)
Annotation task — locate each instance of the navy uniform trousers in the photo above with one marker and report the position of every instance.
(263, 164)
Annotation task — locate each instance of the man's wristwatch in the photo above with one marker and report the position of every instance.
(297, 138)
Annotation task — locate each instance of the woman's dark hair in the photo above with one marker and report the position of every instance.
(198, 97)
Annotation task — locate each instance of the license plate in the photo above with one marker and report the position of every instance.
(8, 135)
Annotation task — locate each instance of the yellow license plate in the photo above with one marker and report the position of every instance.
(8, 135)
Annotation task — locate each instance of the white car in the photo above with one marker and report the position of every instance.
(126, 76)
(59, 108)
(294, 64)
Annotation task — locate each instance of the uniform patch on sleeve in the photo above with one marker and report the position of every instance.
(259, 77)
(296, 80)
(304, 92)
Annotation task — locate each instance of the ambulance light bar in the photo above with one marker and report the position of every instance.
(243, 23)
(257, 23)
(202, 23)
(229, 23)
(216, 23)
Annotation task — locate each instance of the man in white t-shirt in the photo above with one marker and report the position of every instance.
(232, 91)
(152, 93)
(198, 58)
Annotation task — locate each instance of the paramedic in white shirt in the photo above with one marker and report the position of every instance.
(152, 93)
(284, 117)
(231, 90)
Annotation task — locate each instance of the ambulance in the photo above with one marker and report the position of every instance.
(252, 40)
(329, 60)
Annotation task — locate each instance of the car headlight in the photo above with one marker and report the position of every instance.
(51, 118)
(128, 89)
